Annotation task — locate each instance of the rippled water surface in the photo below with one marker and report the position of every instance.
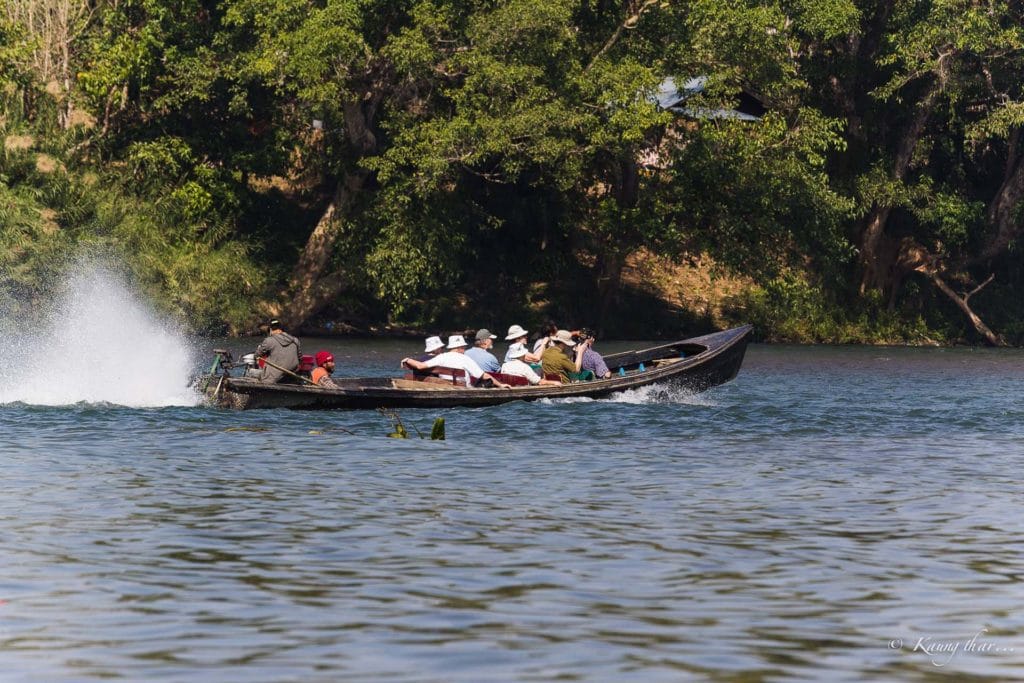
(832, 514)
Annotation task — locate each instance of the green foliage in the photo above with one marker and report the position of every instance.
(200, 193)
(301, 50)
(499, 149)
(1000, 123)
(29, 244)
(413, 251)
(780, 203)
(827, 19)
(15, 62)
(791, 310)
(951, 216)
(160, 161)
(212, 282)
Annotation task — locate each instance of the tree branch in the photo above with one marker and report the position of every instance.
(979, 287)
(630, 22)
(915, 257)
(961, 302)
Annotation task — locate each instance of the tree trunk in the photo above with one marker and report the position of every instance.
(313, 285)
(1002, 212)
(610, 267)
(611, 261)
(876, 269)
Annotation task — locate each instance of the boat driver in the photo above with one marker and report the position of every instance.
(281, 352)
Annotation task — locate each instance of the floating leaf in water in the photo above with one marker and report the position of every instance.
(437, 433)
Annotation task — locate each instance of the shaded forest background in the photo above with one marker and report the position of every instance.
(433, 164)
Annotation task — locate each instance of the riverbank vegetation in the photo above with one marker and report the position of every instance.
(853, 169)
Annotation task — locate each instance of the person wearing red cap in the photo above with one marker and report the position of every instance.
(324, 369)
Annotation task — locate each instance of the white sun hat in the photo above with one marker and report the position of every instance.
(455, 341)
(515, 332)
(516, 351)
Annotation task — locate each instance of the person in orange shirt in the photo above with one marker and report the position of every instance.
(324, 369)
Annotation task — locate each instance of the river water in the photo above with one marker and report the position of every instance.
(832, 514)
(794, 524)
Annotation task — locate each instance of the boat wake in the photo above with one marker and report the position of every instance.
(98, 345)
(651, 394)
(567, 399)
(659, 393)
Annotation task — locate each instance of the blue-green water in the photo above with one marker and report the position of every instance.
(832, 514)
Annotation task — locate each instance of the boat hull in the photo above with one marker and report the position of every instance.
(693, 364)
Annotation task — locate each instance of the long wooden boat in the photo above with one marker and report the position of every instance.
(694, 364)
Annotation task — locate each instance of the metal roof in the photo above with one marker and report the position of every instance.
(670, 97)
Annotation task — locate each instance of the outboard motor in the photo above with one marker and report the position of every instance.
(252, 368)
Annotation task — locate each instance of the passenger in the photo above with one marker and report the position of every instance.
(324, 369)
(279, 349)
(514, 365)
(592, 360)
(455, 357)
(481, 351)
(517, 335)
(546, 339)
(431, 348)
(555, 360)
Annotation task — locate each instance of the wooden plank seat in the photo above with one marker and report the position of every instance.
(457, 376)
(433, 384)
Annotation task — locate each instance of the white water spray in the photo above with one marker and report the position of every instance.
(650, 394)
(99, 344)
(659, 393)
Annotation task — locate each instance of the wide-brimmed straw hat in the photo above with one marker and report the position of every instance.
(515, 332)
(564, 337)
